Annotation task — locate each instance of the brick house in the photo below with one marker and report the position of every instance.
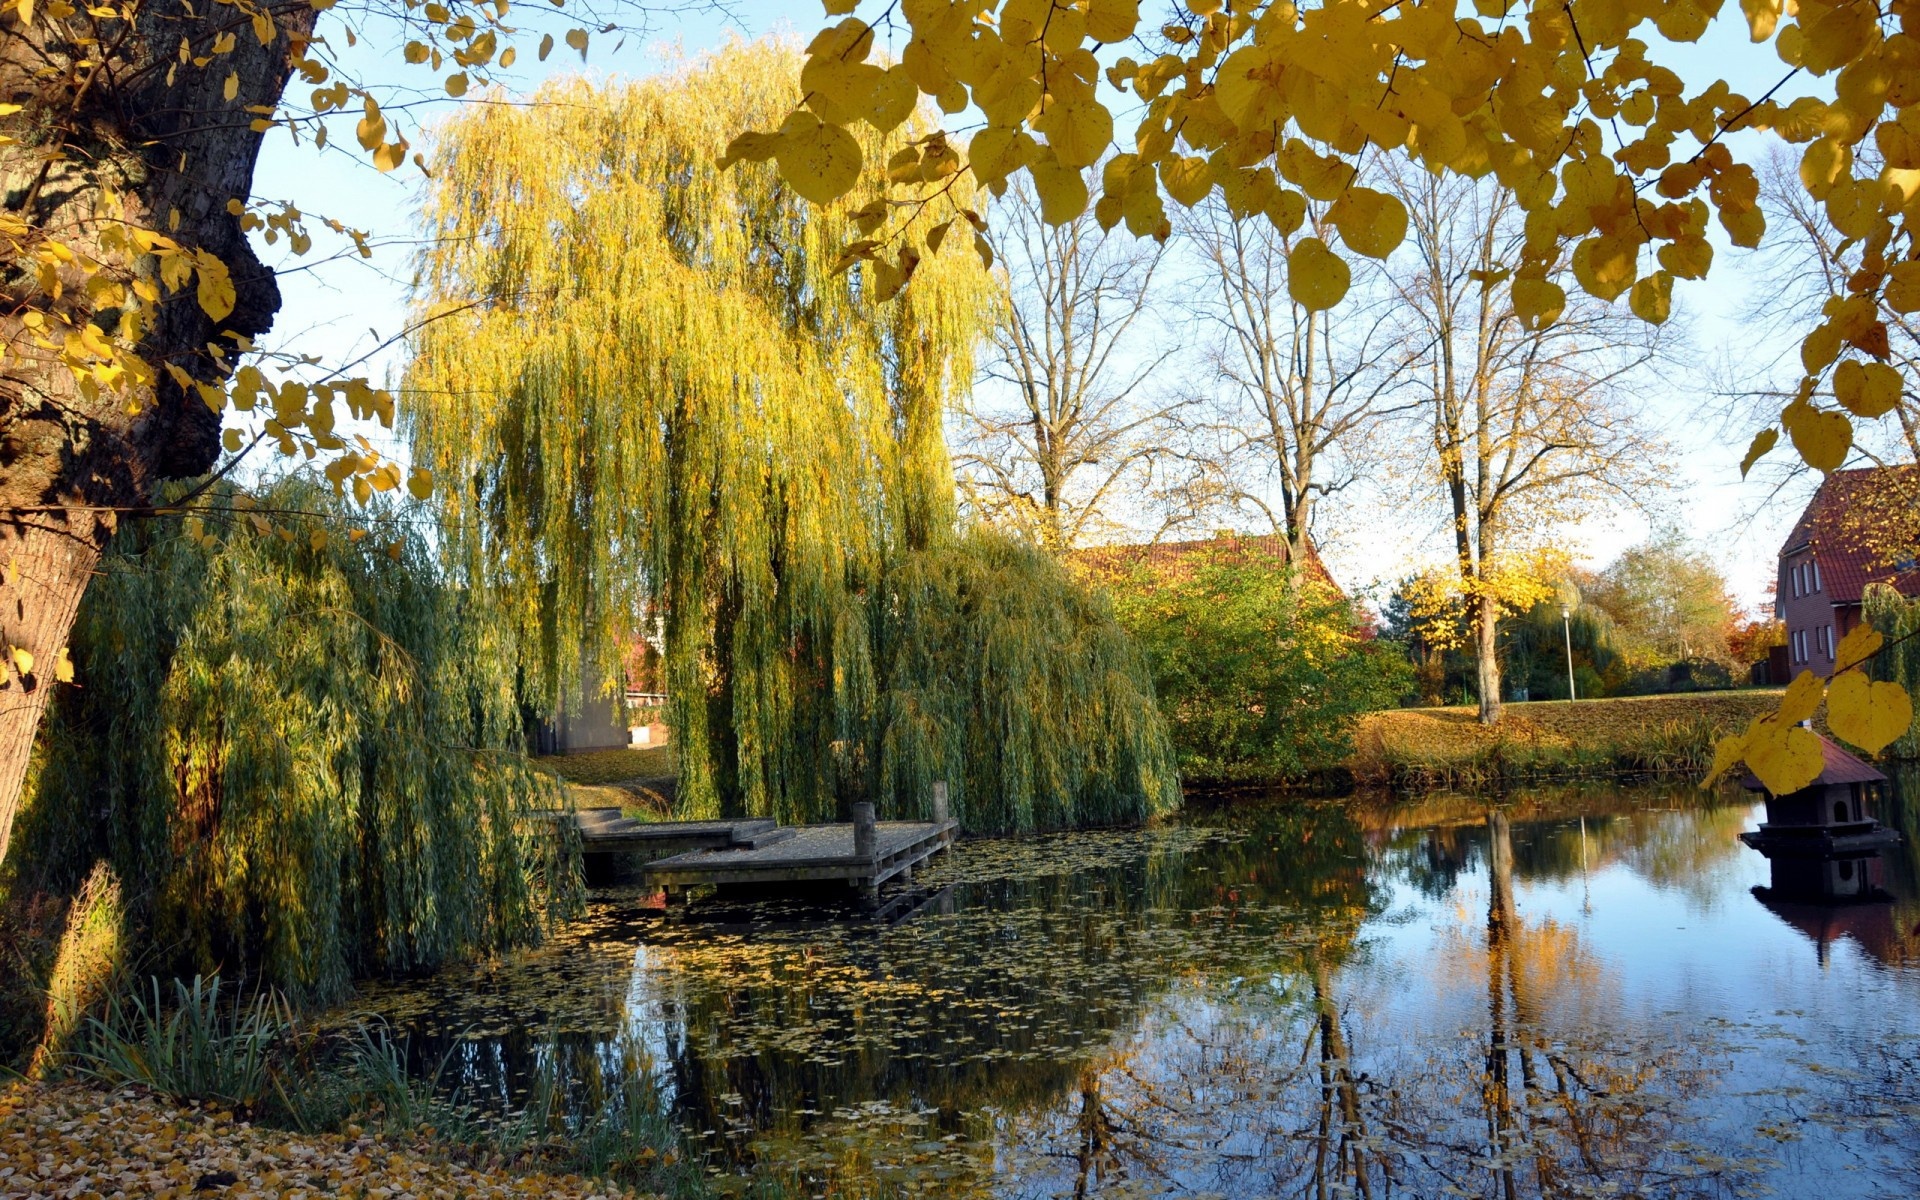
(1824, 570)
(1112, 564)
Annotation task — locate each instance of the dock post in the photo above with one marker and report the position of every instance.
(865, 837)
(940, 802)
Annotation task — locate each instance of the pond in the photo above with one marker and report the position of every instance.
(1568, 992)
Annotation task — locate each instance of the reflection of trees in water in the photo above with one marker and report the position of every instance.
(980, 1048)
(1680, 838)
(1271, 1087)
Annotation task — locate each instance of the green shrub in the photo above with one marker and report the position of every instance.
(1261, 672)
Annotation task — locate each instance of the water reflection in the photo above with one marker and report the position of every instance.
(1571, 992)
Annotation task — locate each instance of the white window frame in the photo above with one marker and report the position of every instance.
(1814, 565)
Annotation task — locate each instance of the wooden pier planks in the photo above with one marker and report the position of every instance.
(814, 853)
(605, 831)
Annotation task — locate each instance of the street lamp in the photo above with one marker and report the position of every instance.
(1566, 627)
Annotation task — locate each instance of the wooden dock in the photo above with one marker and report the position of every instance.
(863, 855)
(759, 852)
(605, 831)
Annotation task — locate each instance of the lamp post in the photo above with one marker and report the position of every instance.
(1566, 627)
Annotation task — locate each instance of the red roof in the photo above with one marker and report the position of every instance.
(1836, 766)
(1176, 558)
(1832, 525)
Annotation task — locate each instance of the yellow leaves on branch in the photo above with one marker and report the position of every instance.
(1617, 158)
(1867, 713)
(1317, 279)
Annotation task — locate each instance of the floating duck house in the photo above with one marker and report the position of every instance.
(1823, 841)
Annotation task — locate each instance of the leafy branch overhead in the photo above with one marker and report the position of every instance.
(1618, 161)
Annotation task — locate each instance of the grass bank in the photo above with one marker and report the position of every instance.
(638, 779)
(1551, 739)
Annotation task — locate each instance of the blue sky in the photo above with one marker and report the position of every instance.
(340, 308)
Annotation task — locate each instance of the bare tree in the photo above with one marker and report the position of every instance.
(1302, 388)
(1066, 417)
(1524, 421)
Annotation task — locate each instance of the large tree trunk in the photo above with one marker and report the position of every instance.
(114, 131)
(1486, 658)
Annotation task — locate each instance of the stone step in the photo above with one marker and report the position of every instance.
(765, 837)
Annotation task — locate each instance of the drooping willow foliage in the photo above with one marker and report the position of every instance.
(297, 755)
(1898, 620)
(648, 387)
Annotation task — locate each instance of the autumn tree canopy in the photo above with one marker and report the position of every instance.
(1617, 161)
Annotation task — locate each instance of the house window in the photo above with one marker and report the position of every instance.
(1796, 579)
(1814, 566)
(1799, 645)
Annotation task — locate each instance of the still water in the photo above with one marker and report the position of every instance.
(1564, 993)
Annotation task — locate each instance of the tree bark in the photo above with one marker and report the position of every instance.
(115, 131)
(1486, 624)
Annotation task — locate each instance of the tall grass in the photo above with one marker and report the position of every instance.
(201, 1046)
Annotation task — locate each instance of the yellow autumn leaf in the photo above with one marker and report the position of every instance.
(1537, 302)
(389, 156)
(1785, 758)
(23, 660)
(1652, 298)
(1112, 20)
(1079, 131)
(317, 540)
(1823, 163)
(1062, 192)
(1802, 698)
(372, 128)
(1861, 643)
(420, 483)
(231, 87)
(1822, 438)
(1605, 266)
(1728, 753)
(1867, 390)
(750, 147)
(63, 666)
(1371, 222)
(1187, 179)
(1762, 16)
(821, 162)
(1762, 442)
(215, 287)
(1867, 713)
(891, 100)
(1317, 279)
(577, 38)
(546, 46)
(457, 85)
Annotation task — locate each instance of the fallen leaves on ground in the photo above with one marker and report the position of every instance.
(70, 1141)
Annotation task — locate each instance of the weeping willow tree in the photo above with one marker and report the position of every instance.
(1898, 619)
(651, 386)
(297, 755)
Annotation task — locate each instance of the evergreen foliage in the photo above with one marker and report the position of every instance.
(649, 385)
(297, 753)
